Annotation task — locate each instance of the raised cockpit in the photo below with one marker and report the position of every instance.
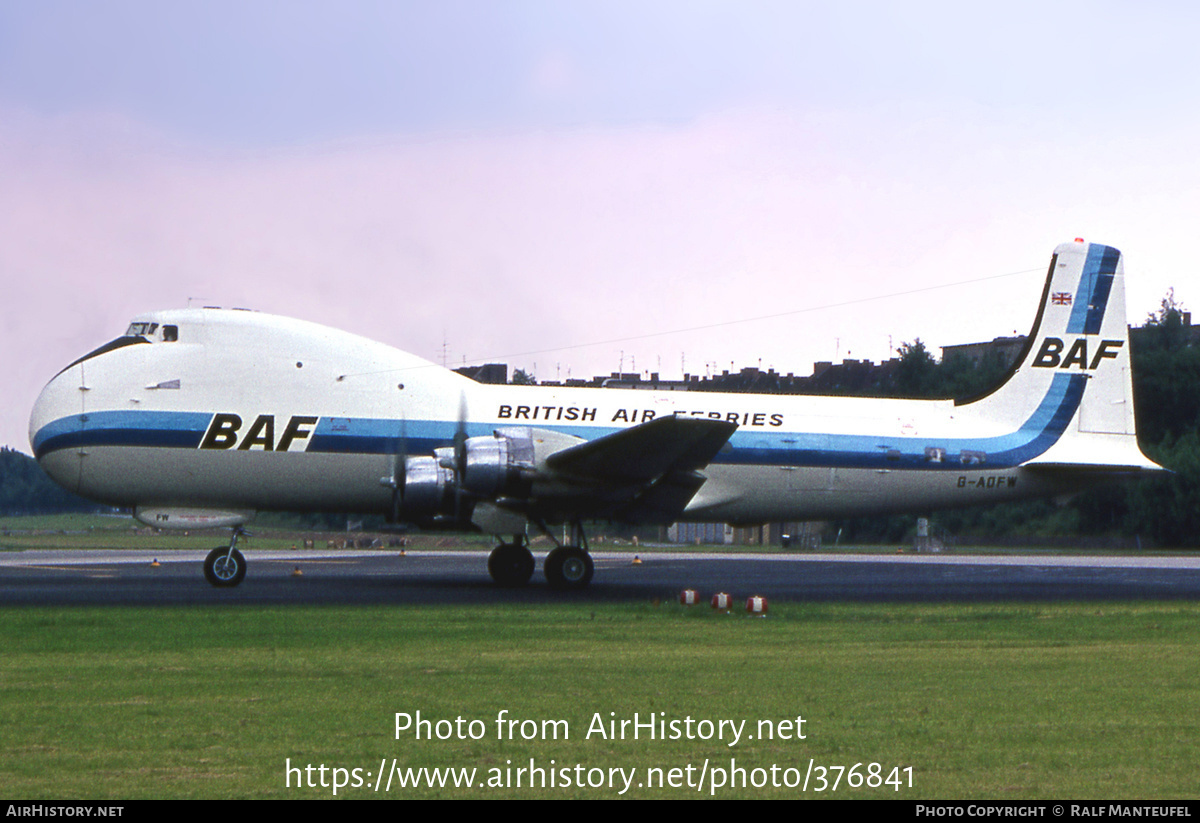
(152, 331)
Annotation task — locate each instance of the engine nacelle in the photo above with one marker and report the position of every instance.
(491, 466)
(498, 465)
(427, 486)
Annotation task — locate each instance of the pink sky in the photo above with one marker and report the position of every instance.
(506, 243)
(518, 187)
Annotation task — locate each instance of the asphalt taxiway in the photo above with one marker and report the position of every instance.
(421, 577)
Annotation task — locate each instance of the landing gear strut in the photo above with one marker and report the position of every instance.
(225, 567)
(570, 568)
(511, 564)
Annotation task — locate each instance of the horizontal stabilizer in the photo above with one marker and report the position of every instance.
(1094, 455)
(1095, 469)
(644, 453)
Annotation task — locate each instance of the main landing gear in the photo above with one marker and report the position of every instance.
(511, 564)
(567, 568)
(225, 567)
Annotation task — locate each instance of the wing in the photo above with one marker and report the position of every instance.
(646, 452)
(646, 473)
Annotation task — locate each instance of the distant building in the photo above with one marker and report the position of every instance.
(849, 376)
(487, 373)
(787, 535)
(628, 380)
(1006, 348)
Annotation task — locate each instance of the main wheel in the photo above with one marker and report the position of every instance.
(224, 568)
(510, 565)
(569, 568)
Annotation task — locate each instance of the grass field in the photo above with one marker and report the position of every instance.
(981, 701)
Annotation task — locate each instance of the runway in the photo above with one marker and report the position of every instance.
(424, 577)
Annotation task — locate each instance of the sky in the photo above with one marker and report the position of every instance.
(585, 187)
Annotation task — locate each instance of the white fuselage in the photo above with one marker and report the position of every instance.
(236, 410)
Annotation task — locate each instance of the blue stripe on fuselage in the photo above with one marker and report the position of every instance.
(341, 435)
(1040, 431)
(122, 428)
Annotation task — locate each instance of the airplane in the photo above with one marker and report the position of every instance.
(203, 417)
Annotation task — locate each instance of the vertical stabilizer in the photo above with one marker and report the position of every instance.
(1074, 375)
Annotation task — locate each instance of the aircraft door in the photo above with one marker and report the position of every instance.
(794, 483)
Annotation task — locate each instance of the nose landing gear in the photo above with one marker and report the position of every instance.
(225, 567)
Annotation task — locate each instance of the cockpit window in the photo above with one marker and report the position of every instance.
(170, 334)
(141, 329)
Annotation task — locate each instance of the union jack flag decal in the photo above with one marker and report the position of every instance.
(1061, 298)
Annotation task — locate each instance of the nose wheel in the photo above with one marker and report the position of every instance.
(225, 567)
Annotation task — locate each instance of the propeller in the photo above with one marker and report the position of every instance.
(418, 483)
(399, 469)
(397, 479)
(460, 455)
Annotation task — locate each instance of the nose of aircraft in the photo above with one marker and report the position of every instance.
(56, 416)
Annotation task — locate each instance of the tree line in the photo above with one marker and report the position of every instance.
(25, 489)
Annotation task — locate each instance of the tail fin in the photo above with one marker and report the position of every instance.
(1072, 381)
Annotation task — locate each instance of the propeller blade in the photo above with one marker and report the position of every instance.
(399, 468)
(460, 455)
(401, 453)
(460, 436)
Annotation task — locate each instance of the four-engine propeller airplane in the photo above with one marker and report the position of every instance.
(201, 417)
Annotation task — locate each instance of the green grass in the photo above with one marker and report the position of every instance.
(982, 701)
